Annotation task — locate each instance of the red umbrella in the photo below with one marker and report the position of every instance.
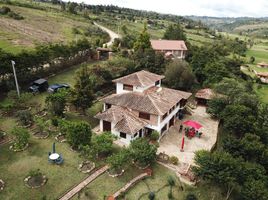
(193, 124)
(182, 143)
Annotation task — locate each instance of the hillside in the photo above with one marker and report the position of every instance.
(42, 24)
(253, 27)
(45, 23)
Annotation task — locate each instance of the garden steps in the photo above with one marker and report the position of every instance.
(130, 184)
(84, 183)
(181, 171)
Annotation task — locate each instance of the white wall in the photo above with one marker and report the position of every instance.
(101, 125)
(120, 90)
(161, 124)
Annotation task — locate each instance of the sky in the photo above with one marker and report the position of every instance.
(215, 8)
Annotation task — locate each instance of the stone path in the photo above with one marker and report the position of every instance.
(84, 183)
(130, 184)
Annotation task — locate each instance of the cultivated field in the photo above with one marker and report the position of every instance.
(41, 27)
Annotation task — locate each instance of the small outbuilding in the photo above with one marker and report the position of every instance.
(204, 95)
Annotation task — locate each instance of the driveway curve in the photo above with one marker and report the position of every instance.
(111, 33)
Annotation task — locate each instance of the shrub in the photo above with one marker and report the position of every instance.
(40, 124)
(55, 121)
(2, 134)
(170, 195)
(191, 196)
(25, 117)
(171, 181)
(56, 102)
(142, 152)
(4, 10)
(21, 137)
(154, 136)
(151, 196)
(78, 133)
(119, 160)
(15, 15)
(34, 173)
(174, 160)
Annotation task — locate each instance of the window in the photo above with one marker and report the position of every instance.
(128, 87)
(135, 135)
(144, 115)
(164, 116)
(108, 105)
(123, 135)
(157, 83)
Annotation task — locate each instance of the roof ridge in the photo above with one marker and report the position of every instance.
(153, 103)
(138, 76)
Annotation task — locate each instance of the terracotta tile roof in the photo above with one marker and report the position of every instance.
(206, 93)
(155, 100)
(168, 45)
(141, 78)
(124, 120)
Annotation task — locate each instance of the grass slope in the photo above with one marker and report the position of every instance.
(39, 27)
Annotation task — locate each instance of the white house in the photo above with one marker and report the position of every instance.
(140, 106)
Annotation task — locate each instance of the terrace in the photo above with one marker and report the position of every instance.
(170, 144)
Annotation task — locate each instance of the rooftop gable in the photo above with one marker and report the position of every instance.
(124, 120)
(142, 78)
(154, 100)
(169, 45)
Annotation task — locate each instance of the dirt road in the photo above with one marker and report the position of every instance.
(112, 34)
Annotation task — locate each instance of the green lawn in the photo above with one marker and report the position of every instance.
(159, 180)
(262, 92)
(106, 185)
(14, 167)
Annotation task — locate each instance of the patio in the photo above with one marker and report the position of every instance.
(170, 144)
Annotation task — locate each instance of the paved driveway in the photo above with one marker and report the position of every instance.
(171, 142)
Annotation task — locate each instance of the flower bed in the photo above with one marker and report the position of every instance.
(141, 167)
(86, 166)
(61, 138)
(35, 181)
(115, 173)
(16, 149)
(41, 114)
(3, 137)
(41, 135)
(2, 184)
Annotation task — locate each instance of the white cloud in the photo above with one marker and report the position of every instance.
(219, 8)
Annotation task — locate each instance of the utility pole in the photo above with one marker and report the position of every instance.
(15, 76)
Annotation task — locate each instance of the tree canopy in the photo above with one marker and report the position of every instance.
(179, 75)
(82, 95)
(174, 32)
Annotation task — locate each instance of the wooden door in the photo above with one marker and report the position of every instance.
(107, 126)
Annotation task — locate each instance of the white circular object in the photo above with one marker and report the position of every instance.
(54, 156)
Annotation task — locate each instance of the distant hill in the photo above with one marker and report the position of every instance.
(253, 27)
(27, 23)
